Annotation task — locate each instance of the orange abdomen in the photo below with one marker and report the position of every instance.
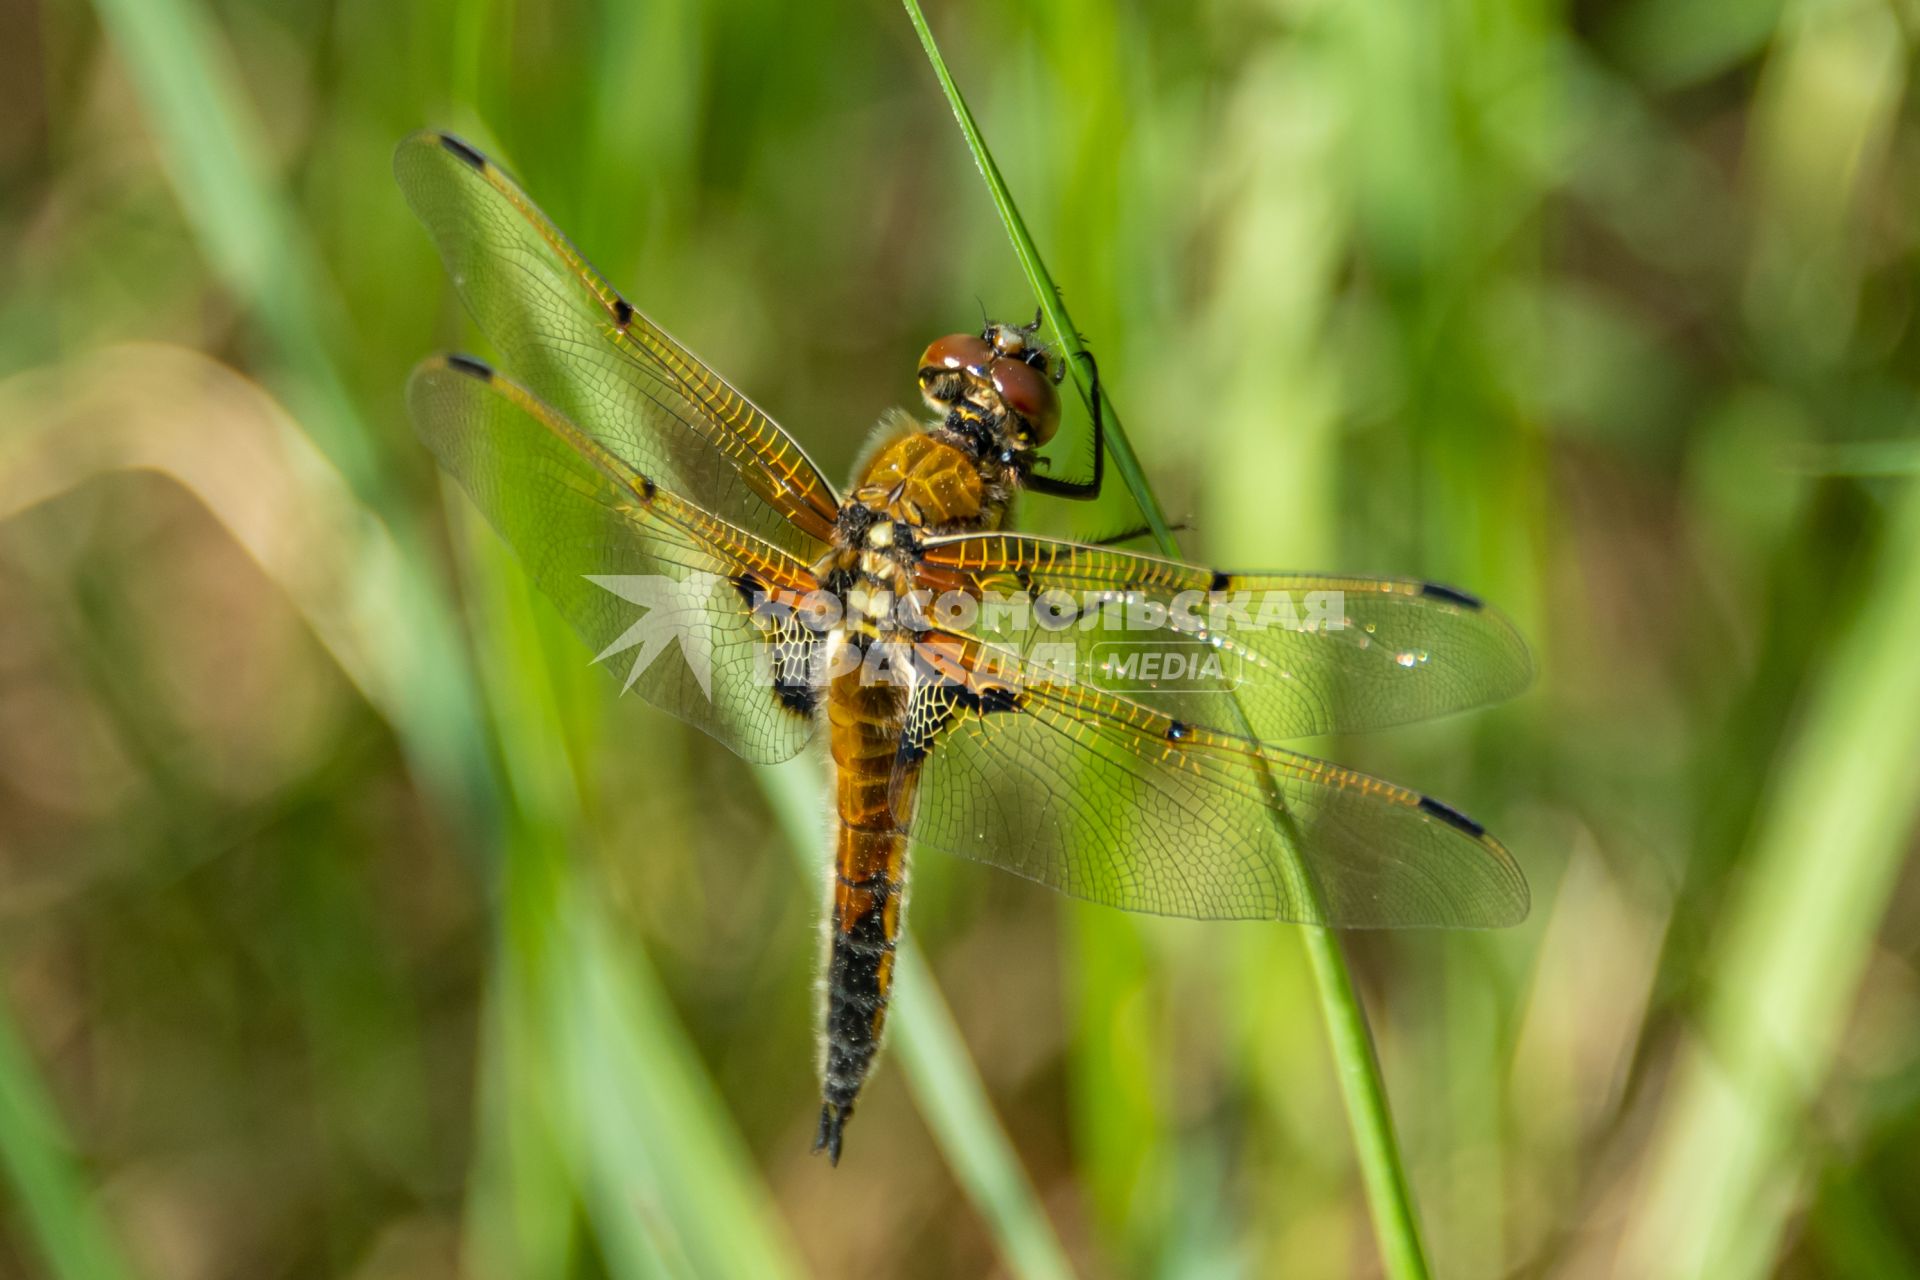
(872, 799)
(929, 483)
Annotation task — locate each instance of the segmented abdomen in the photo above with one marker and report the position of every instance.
(915, 480)
(872, 799)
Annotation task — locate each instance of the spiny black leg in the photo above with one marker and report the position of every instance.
(833, 1119)
(1077, 490)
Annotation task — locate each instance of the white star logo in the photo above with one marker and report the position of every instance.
(675, 611)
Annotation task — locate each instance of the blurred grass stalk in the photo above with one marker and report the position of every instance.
(592, 1046)
(212, 149)
(51, 1188)
(182, 415)
(1728, 1164)
(589, 1071)
(620, 1085)
(1388, 1193)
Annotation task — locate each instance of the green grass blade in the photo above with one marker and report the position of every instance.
(1126, 463)
(49, 1187)
(663, 1181)
(1833, 822)
(1830, 845)
(1361, 1084)
(947, 1089)
(946, 1086)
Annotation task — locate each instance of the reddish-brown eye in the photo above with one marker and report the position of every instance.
(957, 351)
(951, 367)
(1029, 393)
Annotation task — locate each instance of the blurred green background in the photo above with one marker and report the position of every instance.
(351, 926)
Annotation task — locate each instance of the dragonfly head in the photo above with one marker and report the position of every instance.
(1015, 341)
(1000, 374)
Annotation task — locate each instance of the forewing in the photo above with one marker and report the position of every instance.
(1106, 799)
(662, 591)
(1304, 653)
(579, 346)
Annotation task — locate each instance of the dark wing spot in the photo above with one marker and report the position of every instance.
(938, 703)
(1176, 731)
(791, 644)
(996, 698)
(752, 591)
(1451, 596)
(462, 150)
(1452, 817)
(648, 488)
(622, 312)
(471, 367)
(1221, 578)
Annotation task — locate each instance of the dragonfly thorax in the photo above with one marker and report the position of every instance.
(929, 478)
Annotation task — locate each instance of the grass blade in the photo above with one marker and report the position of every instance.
(1377, 1148)
(1830, 845)
(1833, 823)
(1125, 462)
(48, 1184)
(666, 1182)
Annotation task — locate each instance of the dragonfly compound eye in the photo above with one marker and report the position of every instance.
(951, 366)
(1029, 395)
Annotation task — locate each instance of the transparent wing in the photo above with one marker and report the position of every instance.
(578, 345)
(1108, 800)
(1304, 653)
(663, 591)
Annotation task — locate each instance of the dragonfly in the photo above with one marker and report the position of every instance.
(896, 622)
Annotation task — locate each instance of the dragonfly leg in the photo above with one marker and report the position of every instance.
(1081, 490)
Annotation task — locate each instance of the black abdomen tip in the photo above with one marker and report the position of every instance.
(833, 1120)
(1452, 817)
(465, 152)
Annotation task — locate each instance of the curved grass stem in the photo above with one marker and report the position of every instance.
(1364, 1091)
